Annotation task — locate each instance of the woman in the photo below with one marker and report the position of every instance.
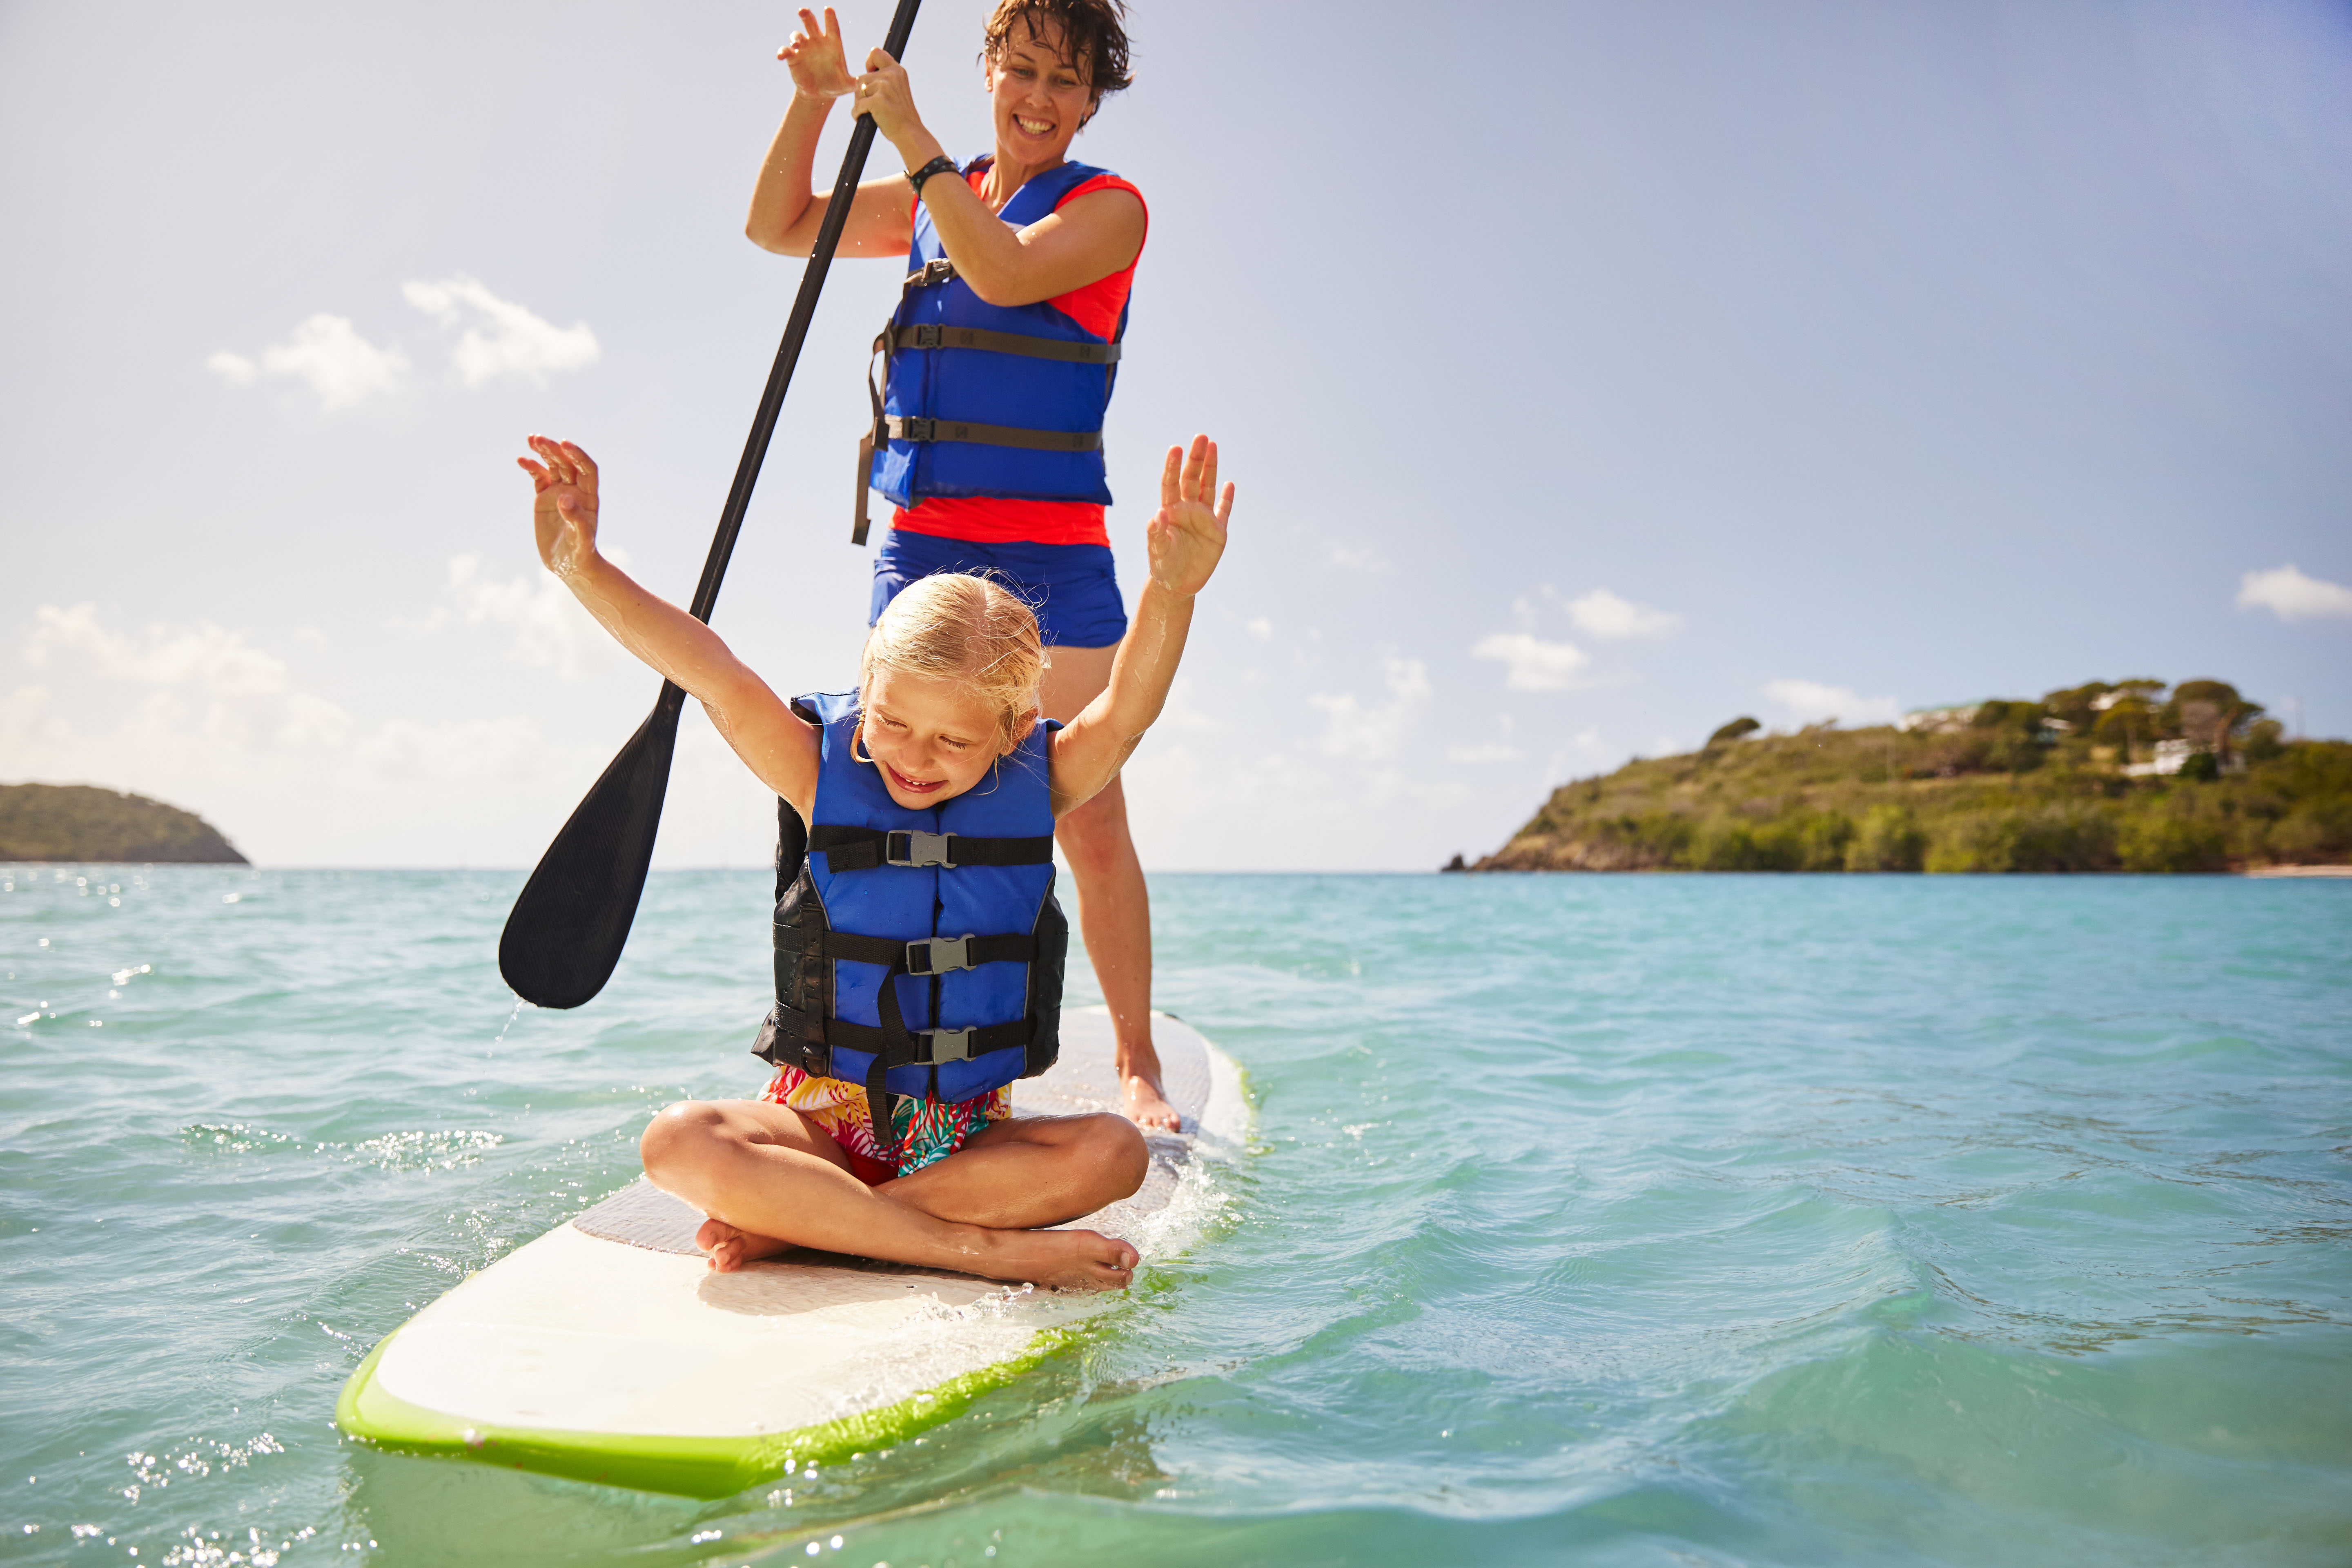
(998, 365)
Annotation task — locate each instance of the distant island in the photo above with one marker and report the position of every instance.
(80, 822)
(2123, 775)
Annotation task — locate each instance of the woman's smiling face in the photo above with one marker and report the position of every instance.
(1038, 99)
(931, 737)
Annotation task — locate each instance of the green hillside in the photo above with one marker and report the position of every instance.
(2003, 785)
(77, 821)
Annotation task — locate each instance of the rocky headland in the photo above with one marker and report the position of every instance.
(84, 823)
(2109, 777)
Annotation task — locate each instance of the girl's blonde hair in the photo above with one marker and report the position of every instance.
(967, 629)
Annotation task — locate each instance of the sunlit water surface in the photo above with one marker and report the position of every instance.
(1592, 1220)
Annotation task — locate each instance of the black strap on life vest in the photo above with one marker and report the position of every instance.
(896, 339)
(891, 427)
(924, 955)
(863, 848)
(807, 1040)
(897, 428)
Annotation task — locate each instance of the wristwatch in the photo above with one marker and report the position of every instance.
(943, 164)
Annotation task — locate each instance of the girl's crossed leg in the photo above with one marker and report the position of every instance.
(771, 1178)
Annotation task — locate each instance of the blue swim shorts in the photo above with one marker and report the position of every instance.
(1072, 587)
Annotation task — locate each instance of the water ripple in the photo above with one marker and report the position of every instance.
(1597, 1220)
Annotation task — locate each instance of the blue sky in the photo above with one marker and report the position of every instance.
(1591, 373)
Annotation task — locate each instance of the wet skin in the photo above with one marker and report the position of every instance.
(771, 1178)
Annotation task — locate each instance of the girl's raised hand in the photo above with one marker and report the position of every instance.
(819, 67)
(1186, 536)
(563, 512)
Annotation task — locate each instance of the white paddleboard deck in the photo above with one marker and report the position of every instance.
(607, 1350)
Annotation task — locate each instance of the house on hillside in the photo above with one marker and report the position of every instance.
(2170, 756)
(1939, 720)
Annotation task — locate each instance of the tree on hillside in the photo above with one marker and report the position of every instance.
(2127, 711)
(1737, 729)
(2206, 713)
(2076, 706)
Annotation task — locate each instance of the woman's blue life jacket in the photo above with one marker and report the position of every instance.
(986, 400)
(919, 950)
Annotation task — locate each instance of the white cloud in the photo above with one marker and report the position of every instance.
(551, 630)
(1535, 665)
(501, 338)
(1500, 750)
(325, 352)
(201, 716)
(1259, 627)
(205, 683)
(2290, 596)
(1362, 733)
(1182, 710)
(504, 750)
(219, 660)
(1603, 614)
(235, 370)
(1586, 751)
(1811, 701)
(1361, 558)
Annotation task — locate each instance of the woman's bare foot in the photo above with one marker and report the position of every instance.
(1146, 1107)
(1060, 1259)
(730, 1248)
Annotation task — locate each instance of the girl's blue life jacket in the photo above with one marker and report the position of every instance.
(986, 400)
(919, 951)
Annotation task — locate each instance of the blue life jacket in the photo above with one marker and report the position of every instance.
(919, 951)
(987, 400)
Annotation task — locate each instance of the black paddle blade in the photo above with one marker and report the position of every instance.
(566, 931)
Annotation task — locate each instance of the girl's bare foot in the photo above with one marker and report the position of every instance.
(1146, 1107)
(1061, 1259)
(730, 1248)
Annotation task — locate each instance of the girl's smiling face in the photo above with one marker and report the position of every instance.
(931, 738)
(1037, 97)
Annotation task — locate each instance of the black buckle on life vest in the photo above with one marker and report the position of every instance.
(915, 429)
(913, 848)
(946, 1045)
(938, 955)
(927, 335)
(932, 273)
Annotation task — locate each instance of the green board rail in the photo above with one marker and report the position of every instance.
(652, 1462)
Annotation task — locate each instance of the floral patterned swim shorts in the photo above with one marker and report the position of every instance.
(929, 1130)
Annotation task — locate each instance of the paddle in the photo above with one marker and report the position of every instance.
(566, 931)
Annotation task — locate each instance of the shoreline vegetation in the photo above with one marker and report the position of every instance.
(82, 822)
(2108, 776)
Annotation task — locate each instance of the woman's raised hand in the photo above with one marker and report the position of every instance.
(1186, 536)
(563, 513)
(884, 94)
(820, 68)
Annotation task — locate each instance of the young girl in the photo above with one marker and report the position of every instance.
(919, 953)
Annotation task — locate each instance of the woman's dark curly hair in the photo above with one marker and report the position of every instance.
(1095, 42)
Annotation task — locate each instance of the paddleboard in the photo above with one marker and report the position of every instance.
(606, 1351)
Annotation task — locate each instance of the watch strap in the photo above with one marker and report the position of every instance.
(943, 164)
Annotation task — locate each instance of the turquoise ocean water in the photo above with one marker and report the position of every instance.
(1689, 1220)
